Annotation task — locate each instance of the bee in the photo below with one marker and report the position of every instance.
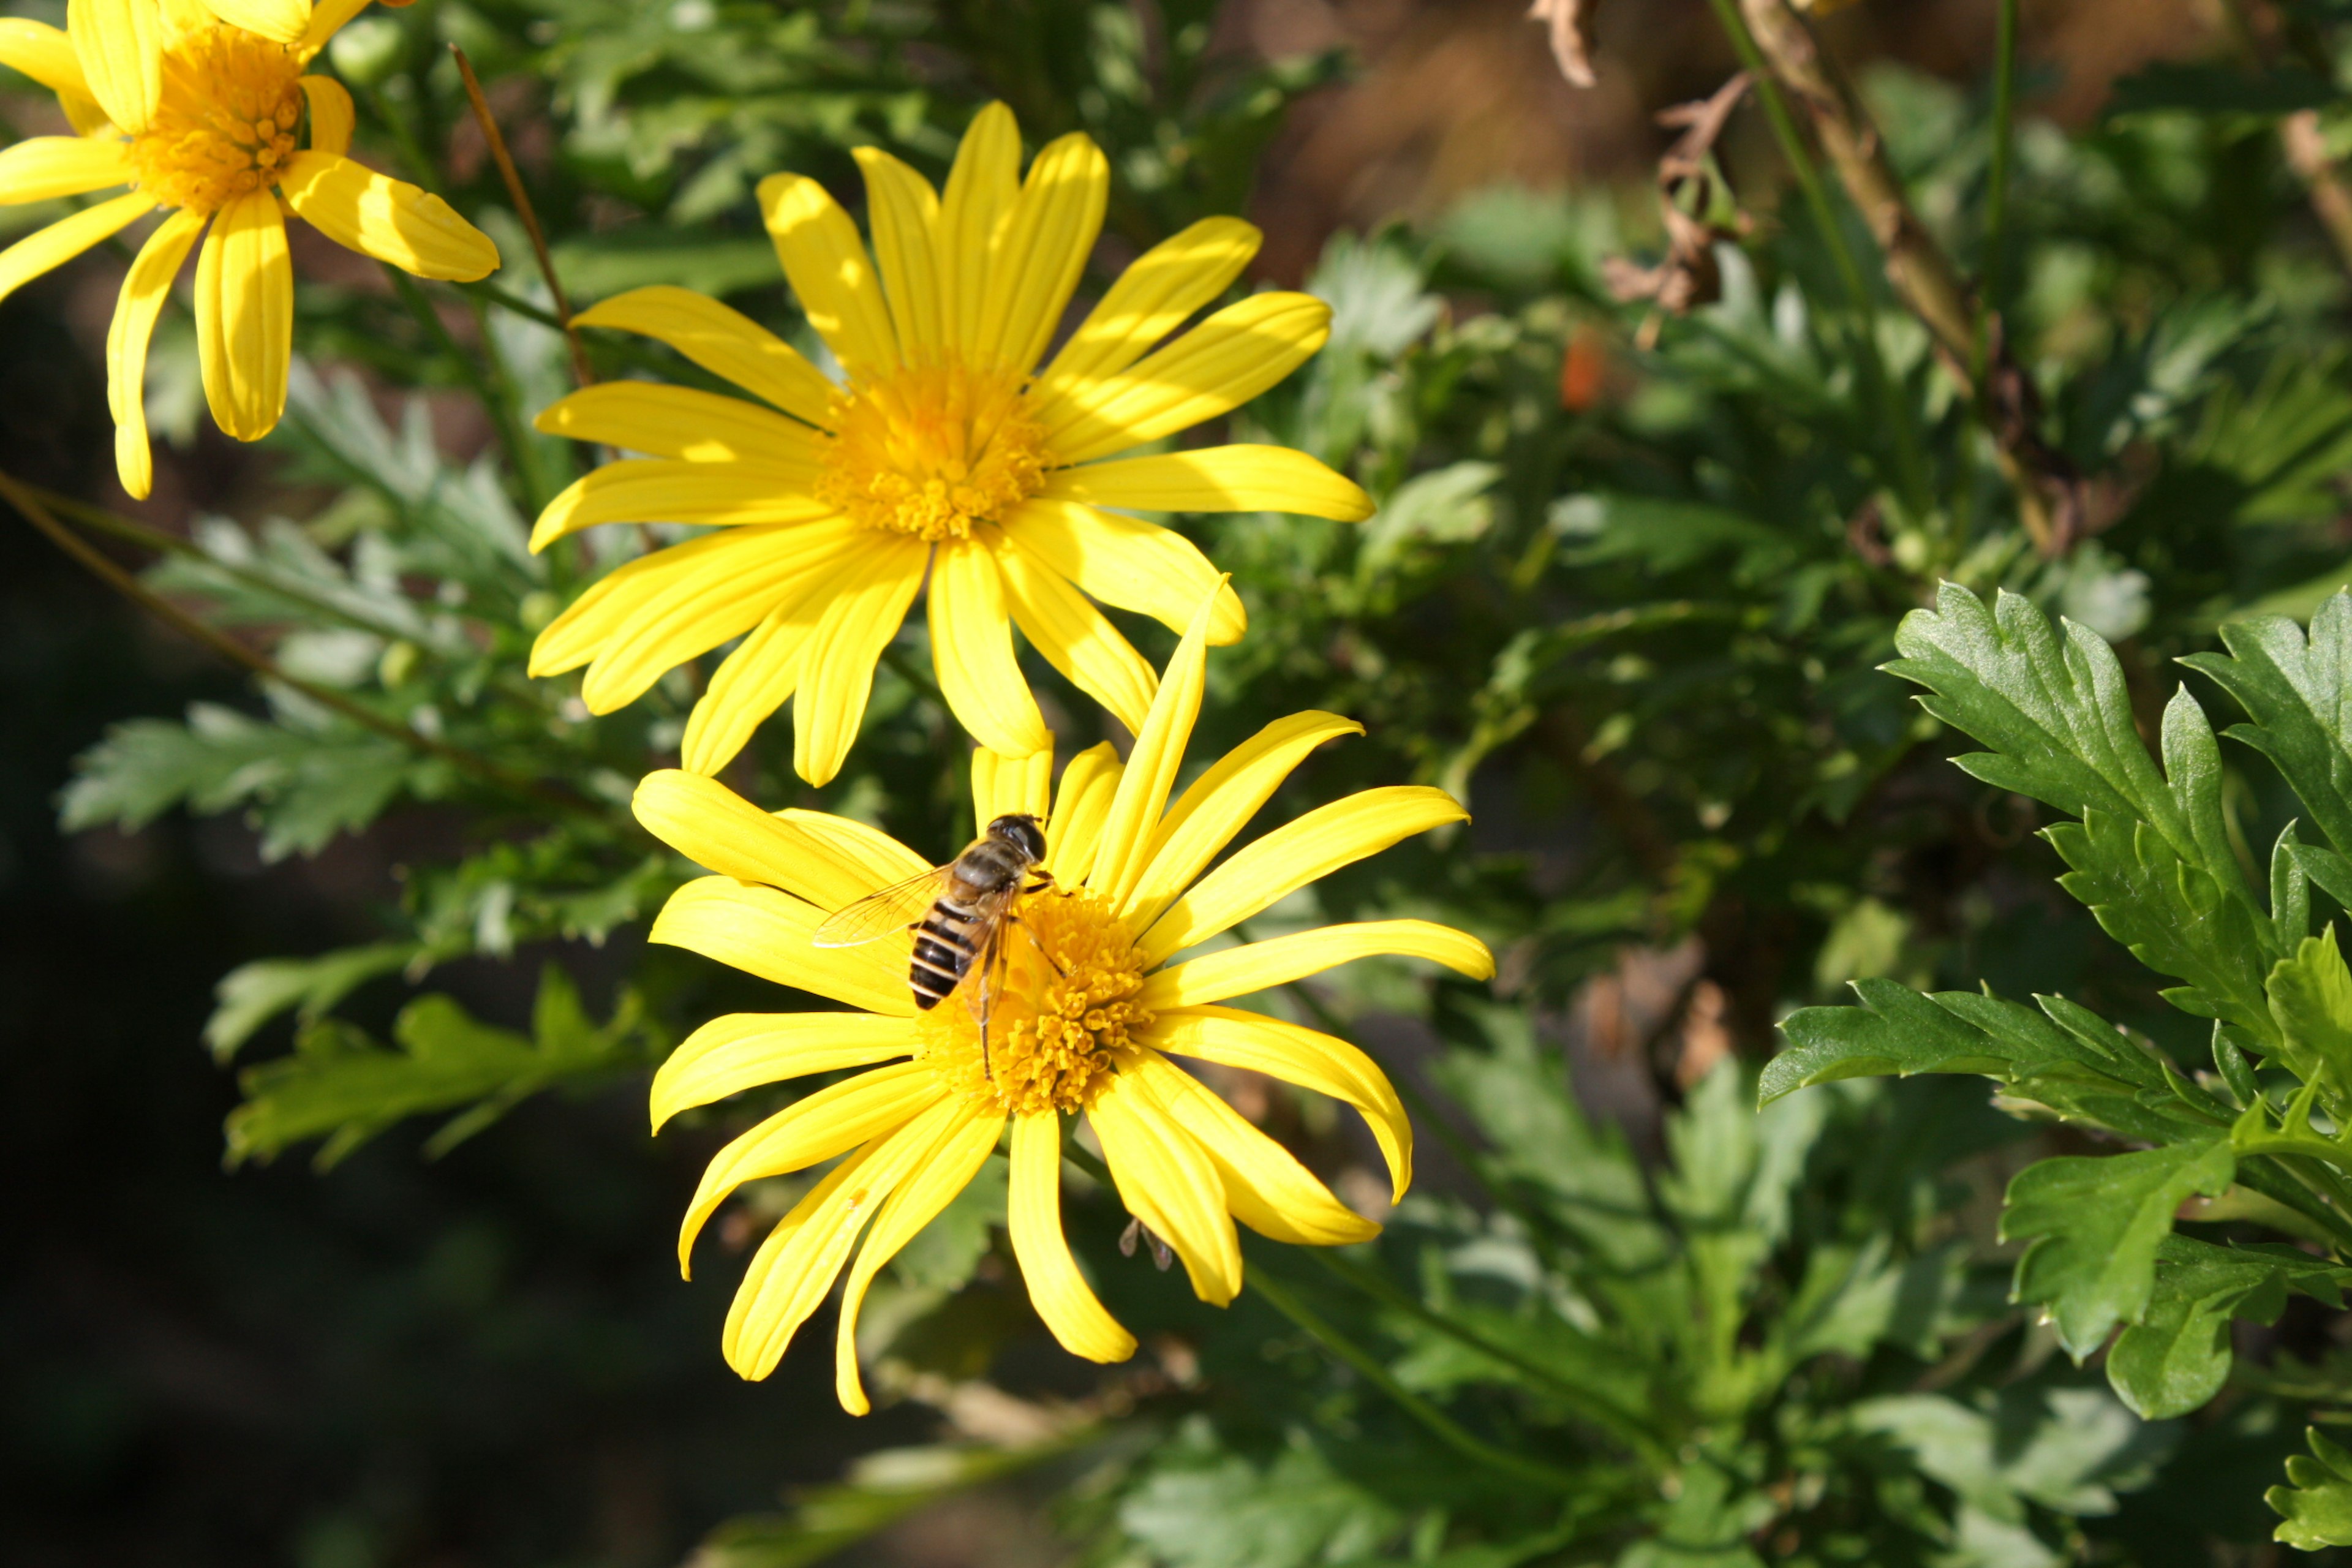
(959, 913)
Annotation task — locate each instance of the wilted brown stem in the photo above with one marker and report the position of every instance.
(2053, 500)
(2306, 154)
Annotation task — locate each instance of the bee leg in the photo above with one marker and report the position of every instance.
(1049, 958)
(1127, 1239)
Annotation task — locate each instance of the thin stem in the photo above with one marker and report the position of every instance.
(1903, 419)
(523, 210)
(494, 403)
(1619, 1424)
(29, 506)
(135, 533)
(2004, 138)
(491, 293)
(1441, 1426)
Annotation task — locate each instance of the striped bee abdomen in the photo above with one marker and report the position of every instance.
(944, 949)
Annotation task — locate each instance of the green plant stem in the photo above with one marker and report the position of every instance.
(1441, 1426)
(490, 293)
(2004, 138)
(1911, 464)
(499, 407)
(1621, 1425)
(29, 506)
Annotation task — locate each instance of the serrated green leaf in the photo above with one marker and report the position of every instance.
(2311, 997)
(1897, 1032)
(340, 1085)
(1232, 1514)
(2316, 1502)
(2296, 688)
(2177, 1356)
(943, 1254)
(252, 994)
(2094, 1223)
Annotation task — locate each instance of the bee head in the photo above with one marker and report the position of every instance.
(1022, 831)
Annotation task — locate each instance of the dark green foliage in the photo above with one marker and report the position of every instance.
(1636, 622)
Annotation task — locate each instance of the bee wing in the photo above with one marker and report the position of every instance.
(985, 982)
(881, 913)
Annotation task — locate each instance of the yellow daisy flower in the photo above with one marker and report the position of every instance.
(944, 451)
(200, 111)
(1089, 1015)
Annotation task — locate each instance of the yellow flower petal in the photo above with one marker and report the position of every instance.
(749, 685)
(1216, 479)
(1221, 801)
(781, 1289)
(285, 21)
(327, 18)
(728, 595)
(1321, 1062)
(867, 845)
(980, 195)
(1126, 563)
(1265, 1186)
(144, 288)
(331, 114)
(680, 422)
(43, 168)
(904, 211)
(1262, 965)
(46, 248)
(1151, 766)
(44, 53)
(945, 1169)
(1213, 368)
(1168, 1181)
(244, 316)
(807, 1133)
(794, 1268)
(1042, 249)
(713, 826)
(1075, 636)
(829, 271)
(1081, 805)
(606, 607)
(972, 652)
(744, 1050)
(838, 674)
(1294, 854)
(1003, 784)
(732, 494)
(1034, 1216)
(1150, 301)
(119, 44)
(388, 219)
(764, 933)
(722, 341)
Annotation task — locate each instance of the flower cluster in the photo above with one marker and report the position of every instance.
(950, 457)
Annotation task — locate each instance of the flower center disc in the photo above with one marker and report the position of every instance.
(224, 124)
(1051, 1035)
(932, 450)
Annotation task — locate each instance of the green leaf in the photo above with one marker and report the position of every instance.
(1898, 1032)
(2297, 690)
(2177, 1356)
(307, 775)
(2311, 997)
(2069, 1449)
(2182, 87)
(2094, 1223)
(340, 1085)
(252, 994)
(1233, 1514)
(2316, 1502)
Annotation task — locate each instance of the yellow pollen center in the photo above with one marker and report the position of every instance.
(932, 450)
(226, 123)
(1066, 1005)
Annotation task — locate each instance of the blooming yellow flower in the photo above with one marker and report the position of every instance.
(200, 111)
(1090, 1012)
(941, 450)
